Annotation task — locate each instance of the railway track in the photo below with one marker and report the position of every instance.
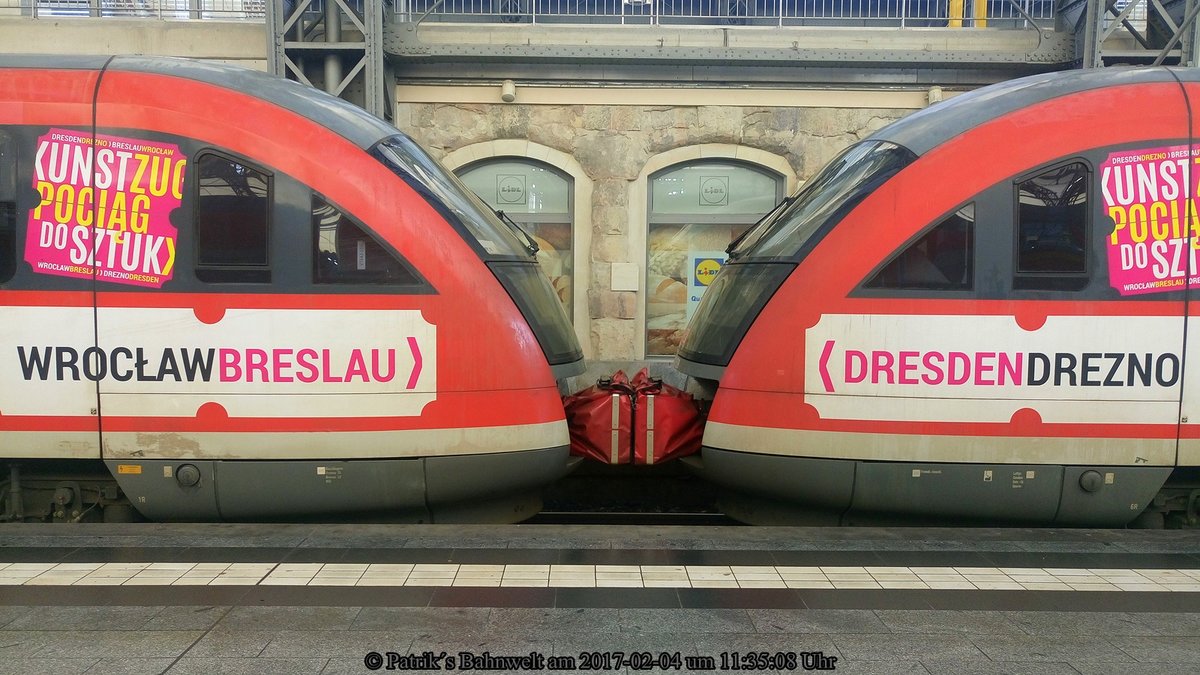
(630, 518)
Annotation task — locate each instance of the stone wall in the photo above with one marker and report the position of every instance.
(613, 144)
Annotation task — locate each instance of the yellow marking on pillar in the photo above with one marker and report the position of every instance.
(956, 12)
(981, 13)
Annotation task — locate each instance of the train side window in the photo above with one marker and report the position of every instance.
(233, 207)
(940, 260)
(8, 208)
(1051, 228)
(345, 253)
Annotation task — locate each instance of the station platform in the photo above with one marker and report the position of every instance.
(251, 598)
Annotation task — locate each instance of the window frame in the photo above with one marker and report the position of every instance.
(9, 258)
(866, 290)
(520, 217)
(419, 285)
(201, 270)
(1064, 282)
(696, 220)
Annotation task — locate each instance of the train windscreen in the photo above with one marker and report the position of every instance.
(763, 258)
(507, 251)
(824, 201)
(409, 160)
(728, 307)
(539, 304)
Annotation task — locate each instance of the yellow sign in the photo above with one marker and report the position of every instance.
(706, 271)
(129, 468)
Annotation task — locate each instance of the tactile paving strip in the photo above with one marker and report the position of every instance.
(597, 576)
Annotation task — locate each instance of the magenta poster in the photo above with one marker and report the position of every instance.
(1150, 196)
(105, 210)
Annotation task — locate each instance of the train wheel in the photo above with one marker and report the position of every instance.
(120, 513)
(1149, 520)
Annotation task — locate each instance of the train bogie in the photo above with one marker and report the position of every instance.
(246, 299)
(980, 313)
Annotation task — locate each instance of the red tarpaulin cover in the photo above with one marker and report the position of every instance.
(600, 419)
(639, 421)
(667, 422)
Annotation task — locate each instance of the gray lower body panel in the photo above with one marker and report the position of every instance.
(485, 488)
(779, 489)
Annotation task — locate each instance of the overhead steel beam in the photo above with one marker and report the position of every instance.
(333, 44)
(1112, 36)
(826, 47)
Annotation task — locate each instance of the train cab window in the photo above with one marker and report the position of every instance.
(344, 253)
(8, 208)
(1051, 229)
(941, 260)
(232, 217)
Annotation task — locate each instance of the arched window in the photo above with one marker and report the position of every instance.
(539, 198)
(695, 210)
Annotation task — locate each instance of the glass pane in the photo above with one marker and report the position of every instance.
(820, 204)
(527, 288)
(683, 261)
(725, 191)
(343, 253)
(539, 199)
(8, 241)
(516, 187)
(941, 260)
(555, 256)
(8, 208)
(444, 189)
(1052, 220)
(696, 209)
(729, 306)
(231, 215)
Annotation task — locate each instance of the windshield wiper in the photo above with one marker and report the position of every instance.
(530, 244)
(769, 215)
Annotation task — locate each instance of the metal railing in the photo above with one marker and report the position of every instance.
(908, 13)
(1137, 16)
(905, 13)
(229, 10)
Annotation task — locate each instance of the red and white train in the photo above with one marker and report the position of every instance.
(983, 312)
(227, 296)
